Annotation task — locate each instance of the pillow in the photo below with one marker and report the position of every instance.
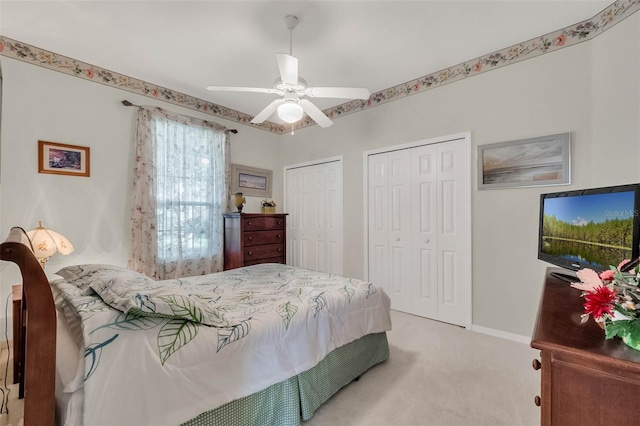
(82, 276)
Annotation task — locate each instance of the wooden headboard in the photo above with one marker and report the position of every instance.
(40, 335)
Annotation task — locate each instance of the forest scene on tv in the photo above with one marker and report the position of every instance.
(595, 229)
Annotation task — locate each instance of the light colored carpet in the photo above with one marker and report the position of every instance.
(439, 374)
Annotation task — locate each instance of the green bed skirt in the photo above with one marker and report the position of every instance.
(287, 402)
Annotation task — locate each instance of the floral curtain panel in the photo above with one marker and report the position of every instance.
(180, 186)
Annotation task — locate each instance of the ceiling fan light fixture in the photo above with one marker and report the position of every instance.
(290, 112)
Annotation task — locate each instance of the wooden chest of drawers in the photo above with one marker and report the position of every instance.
(253, 238)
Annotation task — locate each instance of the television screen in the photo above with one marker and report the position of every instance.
(593, 228)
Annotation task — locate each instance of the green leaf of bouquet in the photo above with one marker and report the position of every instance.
(617, 328)
(634, 333)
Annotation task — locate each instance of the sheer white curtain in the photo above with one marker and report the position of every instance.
(180, 185)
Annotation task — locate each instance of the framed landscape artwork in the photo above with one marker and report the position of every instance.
(540, 161)
(251, 181)
(62, 159)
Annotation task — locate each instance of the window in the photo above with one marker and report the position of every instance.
(187, 183)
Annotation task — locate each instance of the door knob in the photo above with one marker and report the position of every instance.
(536, 364)
(537, 401)
(250, 253)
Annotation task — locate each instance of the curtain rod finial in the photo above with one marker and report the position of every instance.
(126, 103)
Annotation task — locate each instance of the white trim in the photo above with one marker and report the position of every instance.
(501, 334)
(311, 163)
(365, 204)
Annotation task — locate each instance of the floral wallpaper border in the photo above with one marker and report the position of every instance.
(569, 36)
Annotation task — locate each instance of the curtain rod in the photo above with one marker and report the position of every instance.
(127, 103)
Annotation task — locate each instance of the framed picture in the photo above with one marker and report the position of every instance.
(541, 161)
(63, 159)
(251, 181)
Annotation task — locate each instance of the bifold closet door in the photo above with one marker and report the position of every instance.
(418, 229)
(314, 226)
(424, 235)
(453, 232)
(390, 226)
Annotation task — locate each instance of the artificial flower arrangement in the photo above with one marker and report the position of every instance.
(268, 206)
(612, 298)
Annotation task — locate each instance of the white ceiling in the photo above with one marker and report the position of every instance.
(188, 45)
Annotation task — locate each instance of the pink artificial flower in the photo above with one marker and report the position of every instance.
(624, 262)
(607, 275)
(1, 47)
(589, 280)
(90, 72)
(416, 87)
(478, 66)
(154, 92)
(561, 39)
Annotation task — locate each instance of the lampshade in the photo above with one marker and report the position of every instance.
(46, 243)
(290, 112)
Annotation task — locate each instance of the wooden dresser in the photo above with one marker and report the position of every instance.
(585, 379)
(252, 238)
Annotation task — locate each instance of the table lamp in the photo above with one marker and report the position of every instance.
(46, 243)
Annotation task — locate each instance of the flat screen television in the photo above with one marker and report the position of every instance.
(590, 228)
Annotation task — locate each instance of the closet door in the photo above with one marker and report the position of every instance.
(378, 221)
(314, 203)
(424, 240)
(333, 217)
(400, 277)
(453, 232)
(419, 229)
(390, 226)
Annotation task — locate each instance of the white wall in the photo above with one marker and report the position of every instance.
(590, 90)
(39, 104)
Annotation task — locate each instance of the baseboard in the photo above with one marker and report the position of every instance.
(501, 334)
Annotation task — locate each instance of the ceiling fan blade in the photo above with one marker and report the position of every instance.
(288, 66)
(338, 92)
(315, 113)
(240, 89)
(265, 113)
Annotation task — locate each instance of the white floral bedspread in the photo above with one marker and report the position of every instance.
(272, 322)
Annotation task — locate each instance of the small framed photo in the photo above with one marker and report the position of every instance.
(251, 181)
(63, 159)
(541, 161)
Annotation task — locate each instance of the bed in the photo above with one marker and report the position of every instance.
(265, 344)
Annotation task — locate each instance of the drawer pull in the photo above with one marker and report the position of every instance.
(279, 222)
(279, 249)
(249, 238)
(537, 401)
(536, 364)
(250, 253)
(249, 223)
(279, 236)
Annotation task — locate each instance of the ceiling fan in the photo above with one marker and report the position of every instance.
(293, 89)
